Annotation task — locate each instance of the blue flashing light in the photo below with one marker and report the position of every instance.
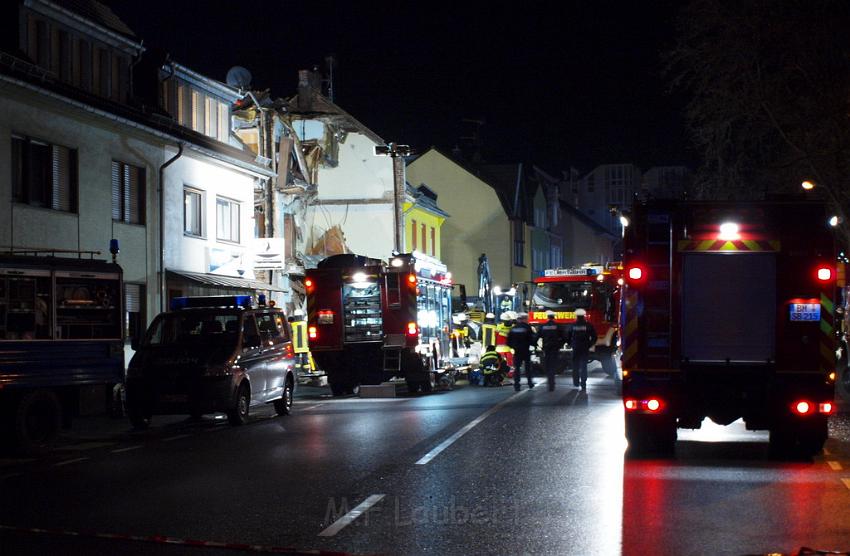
(242, 301)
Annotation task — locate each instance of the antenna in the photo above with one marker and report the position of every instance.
(239, 77)
(330, 64)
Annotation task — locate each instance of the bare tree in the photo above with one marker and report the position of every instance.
(769, 82)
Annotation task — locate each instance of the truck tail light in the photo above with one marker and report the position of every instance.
(824, 273)
(802, 407)
(308, 283)
(312, 333)
(649, 405)
(411, 279)
(825, 408)
(635, 273)
(411, 329)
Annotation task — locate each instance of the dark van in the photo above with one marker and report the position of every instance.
(211, 354)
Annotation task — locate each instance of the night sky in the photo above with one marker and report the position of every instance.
(571, 83)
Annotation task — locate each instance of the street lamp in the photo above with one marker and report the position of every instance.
(397, 152)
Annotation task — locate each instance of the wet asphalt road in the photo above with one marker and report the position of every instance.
(471, 471)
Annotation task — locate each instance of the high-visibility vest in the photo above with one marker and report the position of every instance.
(502, 338)
(299, 336)
(488, 335)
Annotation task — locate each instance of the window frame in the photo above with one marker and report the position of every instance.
(231, 202)
(21, 167)
(188, 190)
(125, 196)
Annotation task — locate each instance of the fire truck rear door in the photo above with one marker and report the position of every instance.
(324, 308)
(729, 307)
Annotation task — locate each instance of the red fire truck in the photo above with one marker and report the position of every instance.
(728, 313)
(592, 287)
(369, 321)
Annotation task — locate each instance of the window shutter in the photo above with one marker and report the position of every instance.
(234, 222)
(61, 191)
(135, 196)
(125, 192)
(212, 130)
(132, 298)
(116, 190)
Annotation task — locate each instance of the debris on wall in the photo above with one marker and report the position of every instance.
(330, 242)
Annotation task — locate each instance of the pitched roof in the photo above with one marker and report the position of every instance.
(321, 106)
(98, 13)
(424, 197)
(585, 219)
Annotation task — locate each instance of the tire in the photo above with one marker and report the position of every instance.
(337, 389)
(797, 444)
(412, 386)
(238, 414)
(283, 406)
(37, 419)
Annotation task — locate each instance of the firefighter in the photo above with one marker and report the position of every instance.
(553, 336)
(299, 340)
(520, 338)
(493, 367)
(488, 330)
(502, 330)
(581, 337)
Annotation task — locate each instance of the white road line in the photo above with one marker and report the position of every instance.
(119, 450)
(346, 520)
(836, 466)
(846, 482)
(10, 476)
(312, 407)
(450, 440)
(69, 461)
(178, 437)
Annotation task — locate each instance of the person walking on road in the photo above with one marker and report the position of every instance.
(520, 339)
(581, 337)
(554, 336)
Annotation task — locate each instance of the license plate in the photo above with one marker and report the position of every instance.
(173, 398)
(805, 312)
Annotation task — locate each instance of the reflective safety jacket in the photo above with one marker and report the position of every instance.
(299, 336)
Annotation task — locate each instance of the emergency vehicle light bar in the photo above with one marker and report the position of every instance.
(243, 301)
(570, 272)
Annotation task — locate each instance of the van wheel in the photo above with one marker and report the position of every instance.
(238, 415)
(38, 417)
(283, 406)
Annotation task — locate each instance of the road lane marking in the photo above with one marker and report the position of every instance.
(69, 461)
(836, 466)
(312, 407)
(346, 520)
(119, 450)
(10, 476)
(846, 482)
(450, 440)
(178, 437)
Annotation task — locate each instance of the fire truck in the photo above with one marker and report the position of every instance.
(369, 321)
(729, 314)
(592, 287)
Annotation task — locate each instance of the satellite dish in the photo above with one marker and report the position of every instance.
(237, 76)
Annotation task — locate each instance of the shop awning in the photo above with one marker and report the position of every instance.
(224, 281)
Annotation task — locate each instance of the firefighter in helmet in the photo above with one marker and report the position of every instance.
(502, 330)
(488, 330)
(299, 340)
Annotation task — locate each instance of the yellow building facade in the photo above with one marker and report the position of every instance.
(478, 223)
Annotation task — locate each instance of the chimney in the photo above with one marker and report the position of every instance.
(309, 85)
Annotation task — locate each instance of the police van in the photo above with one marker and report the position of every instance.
(212, 354)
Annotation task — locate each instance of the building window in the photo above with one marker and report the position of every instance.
(134, 311)
(184, 116)
(519, 243)
(223, 122)
(128, 193)
(198, 112)
(540, 217)
(192, 203)
(227, 220)
(289, 236)
(415, 237)
(555, 256)
(105, 73)
(84, 64)
(424, 240)
(44, 175)
(433, 241)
